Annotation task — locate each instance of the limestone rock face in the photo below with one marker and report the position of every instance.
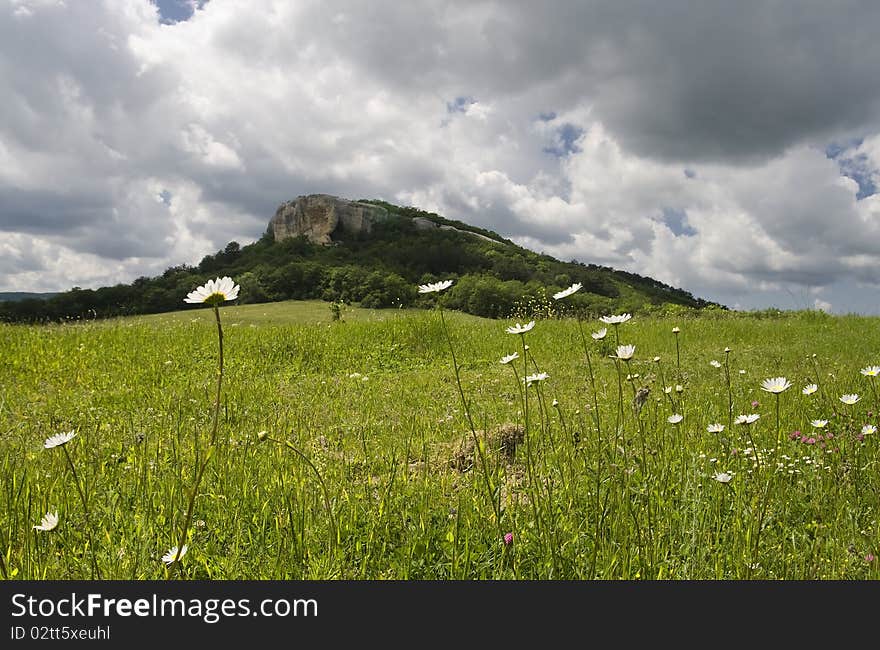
(421, 223)
(324, 218)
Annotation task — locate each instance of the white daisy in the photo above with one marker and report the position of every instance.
(868, 429)
(675, 330)
(565, 293)
(615, 320)
(510, 357)
(679, 388)
(849, 399)
(775, 385)
(715, 428)
(49, 522)
(600, 334)
(213, 292)
(715, 364)
(541, 376)
(809, 389)
(625, 352)
(746, 419)
(168, 558)
(520, 329)
(675, 418)
(870, 371)
(434, 287)
(723, 477)
(59, 439)
(656, 359)
(818, 424)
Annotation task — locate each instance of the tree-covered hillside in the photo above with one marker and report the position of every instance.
(382, 269)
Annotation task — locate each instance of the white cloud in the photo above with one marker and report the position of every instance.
(574, 138)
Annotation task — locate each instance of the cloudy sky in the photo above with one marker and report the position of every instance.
(728, 148)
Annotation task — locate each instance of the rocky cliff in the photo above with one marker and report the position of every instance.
(324, 218)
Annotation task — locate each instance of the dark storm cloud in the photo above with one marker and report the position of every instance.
(43, 211)
(742, 79)
(674, 79)
(87, 223)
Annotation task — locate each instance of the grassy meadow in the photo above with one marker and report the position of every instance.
(344, 449)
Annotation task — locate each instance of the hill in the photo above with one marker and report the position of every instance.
(24, 295)
(374, 255)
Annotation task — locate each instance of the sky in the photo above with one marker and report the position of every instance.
(728, 148)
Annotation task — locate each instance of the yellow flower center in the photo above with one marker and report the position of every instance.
(215, 298)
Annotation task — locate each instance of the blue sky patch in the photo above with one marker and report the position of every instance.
(834, 149)
(854, 166)
(175, 11)
(677, 221)
(565, 141)
(460, 104)
(860, 171)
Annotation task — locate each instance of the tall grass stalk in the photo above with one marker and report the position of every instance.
(334, 528)
(478, 446)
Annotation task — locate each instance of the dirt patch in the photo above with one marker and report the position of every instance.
(501, 441)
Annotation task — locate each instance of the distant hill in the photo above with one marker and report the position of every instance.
(24, 295)
(374, 254)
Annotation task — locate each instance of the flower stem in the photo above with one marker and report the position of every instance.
(729, 392)
(619, 399)
(874, 390)
(219, 375)
(778, 441)
(530, 470)
(677, 358)
(645, 468)
(477, 447)
(754, 447)
(590, 370)
(638, 418)
(209, 453)
(82, 496)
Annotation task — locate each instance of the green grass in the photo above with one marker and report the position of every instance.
(372, 404)
(311, 312)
